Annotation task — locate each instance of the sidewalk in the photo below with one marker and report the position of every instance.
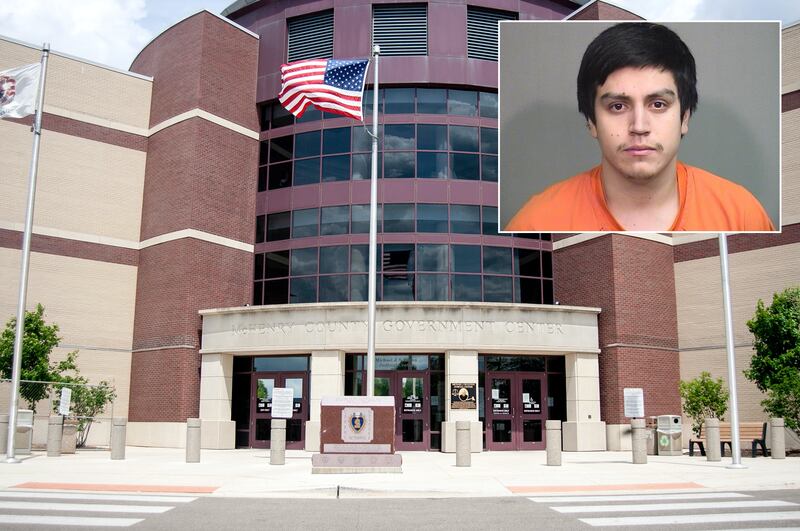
(247, 473)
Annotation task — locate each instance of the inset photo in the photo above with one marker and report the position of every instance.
(639, 126)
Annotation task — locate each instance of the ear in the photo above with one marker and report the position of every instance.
(592, 128)
(685, 123)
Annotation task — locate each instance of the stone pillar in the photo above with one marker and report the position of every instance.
(118, 425)
(216, 393)
(54, 427)
(327, 379)
(277, 443)
(461, 366)
(463, 454)
(553, 442)
(777, 441)
(639, 441)
(193, 433)
(713, 450)
(583, 430)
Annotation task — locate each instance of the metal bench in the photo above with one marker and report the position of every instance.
(753, 432)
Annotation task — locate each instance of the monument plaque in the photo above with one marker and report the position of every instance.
(462, 396)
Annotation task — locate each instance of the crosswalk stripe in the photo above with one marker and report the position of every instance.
(95, 497)
(676, 519)
(67, 520)
(88, 507)
(640, 497)
(638, 508)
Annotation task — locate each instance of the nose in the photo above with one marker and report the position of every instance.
(640, 123)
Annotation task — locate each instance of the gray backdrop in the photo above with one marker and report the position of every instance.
(735, 132)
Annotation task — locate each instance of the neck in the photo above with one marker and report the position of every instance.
(642, 203)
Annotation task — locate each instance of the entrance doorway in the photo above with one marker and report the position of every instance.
(515, 410)
(412, 412)
(262, 385)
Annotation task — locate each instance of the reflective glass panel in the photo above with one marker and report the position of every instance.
(466, 287)
(358, 288)
(398, 136)
(398, 257)
(399, 101)
(488, 105)
(526, 262)
(464, 166)
(336, 168)
(306, 171)
(258, 293)
(433, 287)
(362, 141)
(489, 220)
(261, 223)
(398, 165)
(280, 116)
(305, 222)
(465, 258)
(497, 289)
(263, 152)
(258, 268)
(334, 220)
(547, 264)
(463, 138)
(381, 386)
(465, 219)
(398, 217)
(431, 165)
(367, 101)
(277, 226)
(398, 287)
(431, 101)
(276, 291)
(359, 258)
(280, 175)
(489, 168)
(432, 257)
(281, 364)
(280, 149)
(359, 219)
(303, 289)
(304, 261)
(488, 140)
(497, 260)
(312, 114)
(528, 290)
(336, 140)
(307, 144)
(431, 217)
(431, 136)
(362, 166)
(462, 102)
(277, 264)
(333, 259)
(547, 291)
(532, 430)
(333, 288)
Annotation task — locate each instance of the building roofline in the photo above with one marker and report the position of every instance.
(609, 2)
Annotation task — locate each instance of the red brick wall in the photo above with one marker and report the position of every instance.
(12, 239)
(98, 133)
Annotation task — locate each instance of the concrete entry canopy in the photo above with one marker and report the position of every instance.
(461, 331)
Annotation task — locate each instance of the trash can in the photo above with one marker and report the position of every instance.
(652, 436)
(670, 435)
(23, 438)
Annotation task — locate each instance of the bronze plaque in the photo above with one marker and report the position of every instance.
(462, 396)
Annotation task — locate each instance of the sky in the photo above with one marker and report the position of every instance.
(112, 32)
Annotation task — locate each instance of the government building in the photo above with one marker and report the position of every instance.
(200, 246)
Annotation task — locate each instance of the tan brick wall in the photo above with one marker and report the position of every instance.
(791, 58)
(791, 167)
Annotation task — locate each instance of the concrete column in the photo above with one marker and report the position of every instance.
(639, 441)
(553, 442)
(193, 440)
(3, 434)
(583, 431)
(777, 441)
(463, 454)
(461, 366)
(327, 379)
(713, 451)
(277, 443)
(118, 425)
(216, 393)
(54, 426)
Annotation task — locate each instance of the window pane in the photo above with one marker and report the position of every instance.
(466, 258)
(280, 149)
(258, 293)
(431, 101)
(362, 168)
(466, 287)
(359, 257)
(398, 136)
(464, 166)
(497, 260)
(336, 140)
(280, 116)
(305, 222)
(431, 165)
(307, 144)
(333, 259)
(489, 168)
(465, 219)
(431, 137)
(258, 268)
(497, 289)
(335, 220)
(280, 175)
(547, 264)
(263, 152)
(277, 264)
(431, 218)
(488, 140)
(432, 257)
(306, 171)
(398, 257)
(399, 101)
(358, 288)
(526, 262)
(359, 219)
(547, 292)
(398, 287)
(368, 97)
(463, 138)
(262, 178)
(490, 221)
(304, 261)
(312, 114)
(488, 105)
(276, 291)
(303, 290)
(278, 226)
(399, 165)
(362, 141)
(433, 287)
(462, 102)
(260, 226)
(398, 217)
(333, 288)
(528, 290)
(336, 168)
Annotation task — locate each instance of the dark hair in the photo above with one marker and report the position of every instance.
(636, 44)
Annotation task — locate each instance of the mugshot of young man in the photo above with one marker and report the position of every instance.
(637, 91)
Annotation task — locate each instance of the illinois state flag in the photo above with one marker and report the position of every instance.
(18, 88)
(333, 85)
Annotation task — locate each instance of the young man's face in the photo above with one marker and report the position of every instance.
(638, 123)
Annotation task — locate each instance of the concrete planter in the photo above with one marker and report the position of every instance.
(69, 436)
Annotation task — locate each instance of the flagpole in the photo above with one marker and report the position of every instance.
(26, 252)
(373, 233)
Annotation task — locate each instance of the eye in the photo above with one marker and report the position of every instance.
(616, 107)
(660, 105)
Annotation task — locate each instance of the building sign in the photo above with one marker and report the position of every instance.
(500, 406)
(462, 396)
(634, 402)
(412, 405)
(64, 402)
(357, 424)
(283, 402)
(529, 405)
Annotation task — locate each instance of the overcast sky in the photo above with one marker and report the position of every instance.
(112, 32)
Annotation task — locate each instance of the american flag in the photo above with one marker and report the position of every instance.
(332, 85)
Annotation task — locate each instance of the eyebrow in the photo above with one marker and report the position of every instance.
(620, 96)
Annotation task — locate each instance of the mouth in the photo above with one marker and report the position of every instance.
(640, 150)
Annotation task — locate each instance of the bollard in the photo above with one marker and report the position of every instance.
(277, 443)
(639, 441)
(54, 427)
(3, 434)
(713, 449)
(777, 441)
(118, 426)
(463, 450)
(192, 440)
(553, 442)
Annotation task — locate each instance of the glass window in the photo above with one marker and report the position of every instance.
(263, 152)
(358, 288)
(463, 138)
(306, 171)
(432, 257)
(488, 105)
(489, 168)
(336, 140)
(528, 290)
(264, 115)
(433, 287)
(399, 101)
(465, 258)
(497, 289)
(282, 364)
(398, 257)
(465, 219)
(462, 102)
(368, 100)
(398, 217)
(312, 114)
(262, 178)
(488, 140)
(497, 260)
(333, 259)
(362, 167)
(280, 149)
(280, 175)
(464, 166)
(276, 291)
(547, 292)
(431, 136)
(333, 288)
(260, 225)
(431, 218)
(359, 219)
(304, 261)
(431, 165)
(278, 226)
(547, 264)
(334, 220)
(303, 289)
(362, 141)
(359, 258)
(336, 168)
(431, 101)
(489, 221)
(258, 268)
(398, 287)
(305, 222)
(258, 293)
(280, 116)
(399, 165)
(398, 136)
(526, 262)
(277, 264)
(307, 144)
(466, 287)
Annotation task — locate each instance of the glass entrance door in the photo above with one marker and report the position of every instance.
(263, 384)
(515, 413)
(412, 414)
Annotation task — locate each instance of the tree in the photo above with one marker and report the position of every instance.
(775, 366)
(703, 397)
(86, 403)
(38, 342)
